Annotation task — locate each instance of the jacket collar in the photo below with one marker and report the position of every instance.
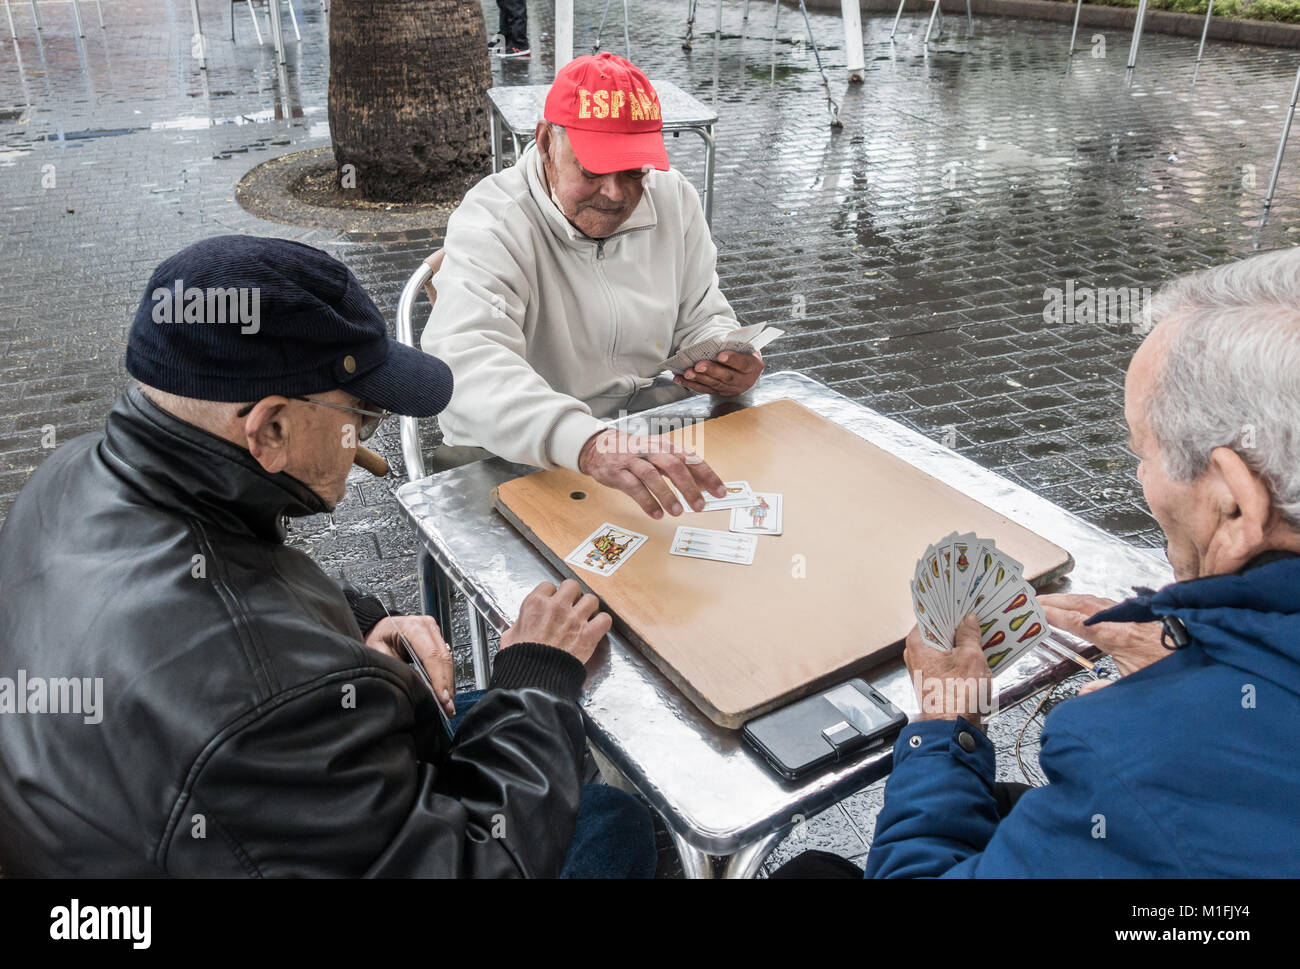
(184, 468)
(642, 217)
(1250, 619)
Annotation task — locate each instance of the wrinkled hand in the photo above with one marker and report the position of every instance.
(563, 618)
(637, 466)
(1133, 645)
(949, 683)
(731, 374)
(426, 639)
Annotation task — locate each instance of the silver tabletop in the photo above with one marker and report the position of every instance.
(520, 107)
(711, 789)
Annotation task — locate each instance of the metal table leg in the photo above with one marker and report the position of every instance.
(76, 16)
(709, 149)
(293, 19)
(277, 32)
(99, 9)
(478, 647)
(695, 863)
(1078, 9)
(832, 106)
(563, 32)
(1137, 33)
(1205, 31)
(198, 29)
(717, 24)
(10, 14)
(496, 137)
(437, 594)
(1281, 148)
(745, 862)
(36, 16)
(253, 17)
(856, 58)
(935, 15)
(898, 16)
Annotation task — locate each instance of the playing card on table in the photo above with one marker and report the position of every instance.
(739, 495)
(763, 517)
(706, 543)
(606, 549)
(746, 339)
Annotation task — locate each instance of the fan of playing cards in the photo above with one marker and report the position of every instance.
(964, 574)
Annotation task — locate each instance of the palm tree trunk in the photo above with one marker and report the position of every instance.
(407, 101)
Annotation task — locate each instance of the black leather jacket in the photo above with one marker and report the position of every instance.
(246, 729)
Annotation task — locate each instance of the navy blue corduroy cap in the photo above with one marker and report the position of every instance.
(239, 318)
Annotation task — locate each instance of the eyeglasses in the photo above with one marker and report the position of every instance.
(365, 430)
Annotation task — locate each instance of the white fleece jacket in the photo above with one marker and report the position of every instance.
(547, 330)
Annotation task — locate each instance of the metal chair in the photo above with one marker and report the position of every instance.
(436, 588)
(832, 106)
(936, 17)
(1281, 148)
(36, 17)
(627, 41)
(293, 19)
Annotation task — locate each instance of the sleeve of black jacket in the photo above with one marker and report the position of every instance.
(325, 780)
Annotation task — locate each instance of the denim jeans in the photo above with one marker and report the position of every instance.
(614, 836)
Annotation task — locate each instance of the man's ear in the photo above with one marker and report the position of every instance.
(1243, 505)
(266, 431)
(542, 135)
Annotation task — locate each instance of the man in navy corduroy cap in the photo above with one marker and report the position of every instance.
(200, 698)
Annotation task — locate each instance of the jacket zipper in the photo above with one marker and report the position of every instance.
(609, 300)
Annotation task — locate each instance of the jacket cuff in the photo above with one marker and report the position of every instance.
(966, 744)
(569, 434)
(367, 609)
(542, 667)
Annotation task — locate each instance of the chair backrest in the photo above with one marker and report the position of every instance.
(422, 277)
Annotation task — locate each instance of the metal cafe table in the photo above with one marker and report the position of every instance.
(713, 792)
(517, 109)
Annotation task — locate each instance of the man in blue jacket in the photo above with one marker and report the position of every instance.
(1186, 765)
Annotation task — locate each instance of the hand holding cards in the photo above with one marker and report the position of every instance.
(746, 339)
(964, 574)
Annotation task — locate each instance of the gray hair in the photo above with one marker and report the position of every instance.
(1231, 374)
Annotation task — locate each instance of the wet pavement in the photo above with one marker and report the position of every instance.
(939, 258)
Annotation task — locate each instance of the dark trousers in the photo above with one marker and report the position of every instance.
(825, 864)
(514, 23)
(614, 836)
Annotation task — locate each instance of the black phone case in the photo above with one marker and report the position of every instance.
(794, 740)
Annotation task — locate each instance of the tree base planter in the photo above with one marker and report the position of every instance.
(302, 189)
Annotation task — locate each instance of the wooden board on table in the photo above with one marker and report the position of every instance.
(827, 597)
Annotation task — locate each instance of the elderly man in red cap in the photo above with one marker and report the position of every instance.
(568, 279)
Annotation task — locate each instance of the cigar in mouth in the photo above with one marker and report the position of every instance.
(372, 462)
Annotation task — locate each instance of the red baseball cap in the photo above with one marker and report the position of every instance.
(610, 113)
